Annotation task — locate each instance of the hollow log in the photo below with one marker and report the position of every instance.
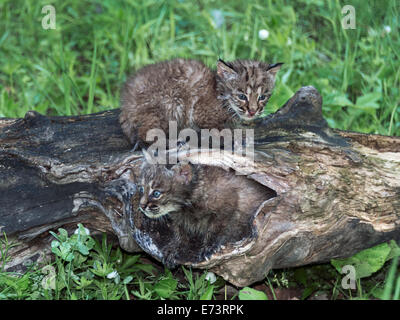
(334, 192)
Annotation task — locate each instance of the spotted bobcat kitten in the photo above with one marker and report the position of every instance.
(203, 201)
(188, 92)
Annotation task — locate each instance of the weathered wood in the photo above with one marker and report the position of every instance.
(336, 192)
(53, 171)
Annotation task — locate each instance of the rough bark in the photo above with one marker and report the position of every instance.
(337, 192)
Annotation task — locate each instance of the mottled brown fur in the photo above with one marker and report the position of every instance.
(204, 201)
(188, 92)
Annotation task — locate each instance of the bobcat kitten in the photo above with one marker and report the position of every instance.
(204, 201)
(188, 92)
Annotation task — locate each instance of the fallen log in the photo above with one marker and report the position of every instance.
(334, 192)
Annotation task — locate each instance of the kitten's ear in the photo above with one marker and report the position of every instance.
(274, 68)
(224, 70)
(184, 172)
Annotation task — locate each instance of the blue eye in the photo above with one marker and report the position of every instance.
(141, 189)
(156, 194)
(242, 97)
(262, 97)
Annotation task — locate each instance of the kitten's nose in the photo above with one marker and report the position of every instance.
(252, 113)
(153, 207)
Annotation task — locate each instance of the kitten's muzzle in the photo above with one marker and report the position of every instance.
(148, 207)
(152, 211)
(153, 207)
(248, 116)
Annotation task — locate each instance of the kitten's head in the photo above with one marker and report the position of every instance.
(246, 85)
(163, 190)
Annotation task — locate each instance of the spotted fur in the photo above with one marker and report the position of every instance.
(173, 188)
(202, 200)
(188, 92)
(245, 86)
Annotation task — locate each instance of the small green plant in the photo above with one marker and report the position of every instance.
(88, 269)
(248, 293)
(314, 279)
(161, 287)
(198, 287)
(5, 247)
(367, 262)
(12, 285)
(391, 290)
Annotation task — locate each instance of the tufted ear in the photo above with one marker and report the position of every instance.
(274, 68)
(225, 70)
(183, 172)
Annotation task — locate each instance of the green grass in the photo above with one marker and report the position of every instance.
(85, 268)
(79, 69)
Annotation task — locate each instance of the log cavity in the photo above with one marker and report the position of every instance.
(171, 244)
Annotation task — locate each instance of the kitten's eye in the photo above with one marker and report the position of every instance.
(141, 189)
(156, 194)
(242, 97)
(262, 97)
